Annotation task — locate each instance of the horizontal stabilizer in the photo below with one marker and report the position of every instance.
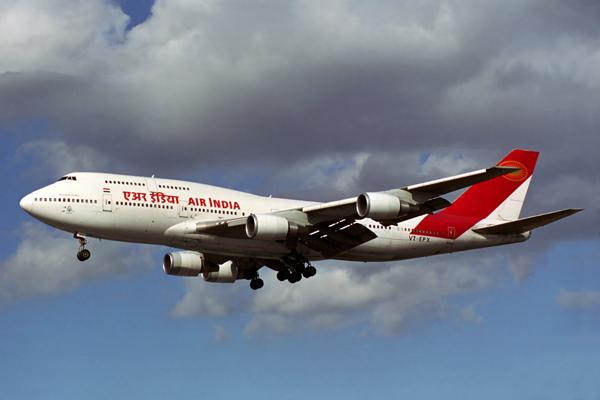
(526, 224)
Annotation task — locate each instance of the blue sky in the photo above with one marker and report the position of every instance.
(313, 100)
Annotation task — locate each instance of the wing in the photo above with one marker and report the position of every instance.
(425, 196)
(333, 239)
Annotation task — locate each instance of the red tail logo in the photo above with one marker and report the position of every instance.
(516, 176)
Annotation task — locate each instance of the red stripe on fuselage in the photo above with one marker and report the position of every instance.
(480, 200)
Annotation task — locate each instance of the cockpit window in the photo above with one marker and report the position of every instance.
(68, 178)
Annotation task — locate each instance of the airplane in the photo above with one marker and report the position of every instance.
(226, 235)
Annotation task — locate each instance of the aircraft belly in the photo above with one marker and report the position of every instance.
(229, 246)
(378, 249)
(382, 249)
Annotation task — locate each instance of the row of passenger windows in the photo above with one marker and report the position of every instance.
(168, 207)
(125, 183)
(141, 184)
(173, 187)
(418, 231)
(428, 232)
(208, 210)
(66, 200)
(125, 203)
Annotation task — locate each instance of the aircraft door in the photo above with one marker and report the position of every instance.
(106, 202)
(151, 184)
(451, 235)
(183, 209)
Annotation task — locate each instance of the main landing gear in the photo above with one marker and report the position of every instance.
(297, 267)
(83, 253)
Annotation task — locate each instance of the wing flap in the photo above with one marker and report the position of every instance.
(526, 224)
(333, 210)
(332, 240)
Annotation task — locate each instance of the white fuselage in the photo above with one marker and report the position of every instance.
(141, 210)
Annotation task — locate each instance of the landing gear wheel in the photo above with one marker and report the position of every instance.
(283, 275)
(298, 267)
(83, 255)
(295, 277)
(309, 271)
(256, 284)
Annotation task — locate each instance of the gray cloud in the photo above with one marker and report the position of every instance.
(275, 80)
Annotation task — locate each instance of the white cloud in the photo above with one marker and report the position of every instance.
(45, 264)
(59, 158)
(390, 299)
(448, 164)
(67, 36)
(208, 299)
(579, 301)
(521, 265)
(469, 314)
(221, 334)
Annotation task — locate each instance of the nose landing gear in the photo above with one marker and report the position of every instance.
(83, 253)
(255, 281)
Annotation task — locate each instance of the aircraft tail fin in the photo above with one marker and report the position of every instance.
(499, 198)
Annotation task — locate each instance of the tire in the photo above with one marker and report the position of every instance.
(283, 275)
(85, 254)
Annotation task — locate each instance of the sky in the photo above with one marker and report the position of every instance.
(315, 100)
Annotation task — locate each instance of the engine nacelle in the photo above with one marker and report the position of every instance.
(381, 206)
(272, 227)
(183, 263)
(192, 263)
(224, 273)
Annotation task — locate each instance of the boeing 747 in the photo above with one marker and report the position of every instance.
(226, 235)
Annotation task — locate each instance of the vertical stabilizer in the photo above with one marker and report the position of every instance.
(500, 198)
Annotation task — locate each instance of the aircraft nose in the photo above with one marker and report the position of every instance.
(27, 203)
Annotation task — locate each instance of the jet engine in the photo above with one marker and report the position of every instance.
(381, 206)
(224, 273)
(183, 263)
(272, 227)
(192, 263)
